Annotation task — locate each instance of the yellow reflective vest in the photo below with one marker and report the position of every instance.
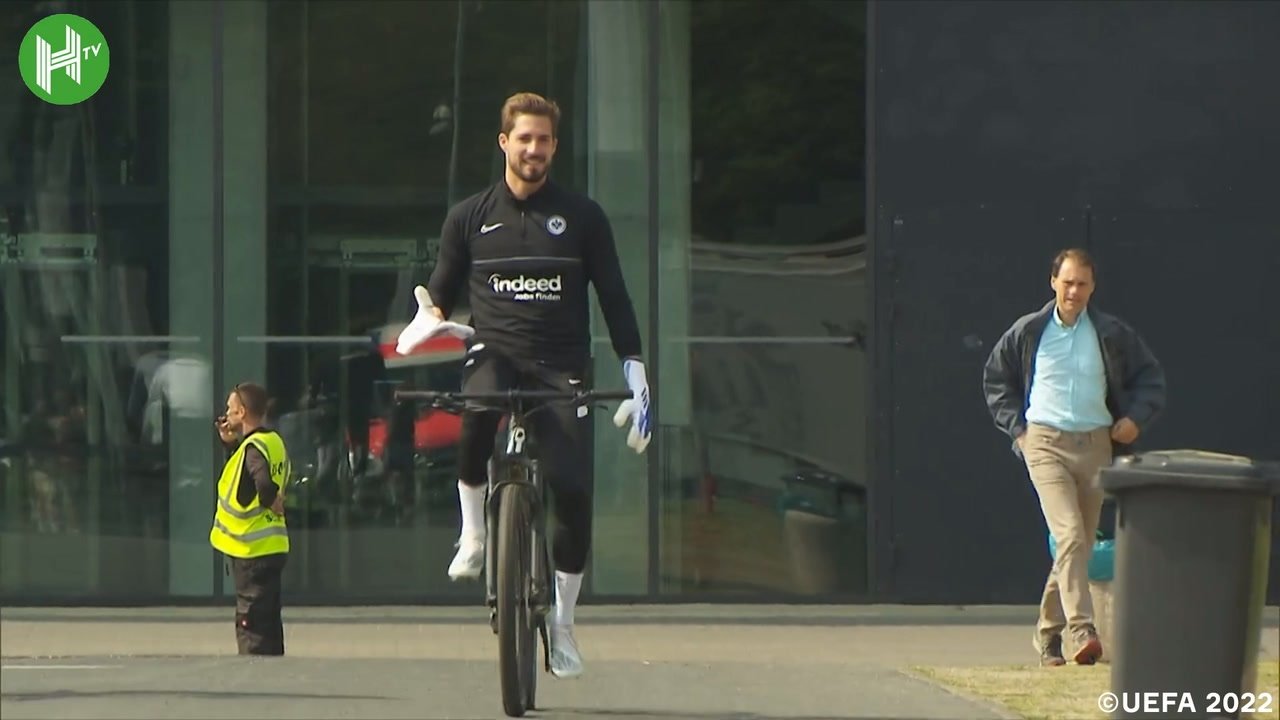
(252, 531)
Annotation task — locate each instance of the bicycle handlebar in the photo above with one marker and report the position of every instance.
(516, 395)
(453, 401)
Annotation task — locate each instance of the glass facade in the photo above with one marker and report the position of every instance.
(763, 303)
(258, 186)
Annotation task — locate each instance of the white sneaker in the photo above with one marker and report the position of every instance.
(469, 560)
(566, 661)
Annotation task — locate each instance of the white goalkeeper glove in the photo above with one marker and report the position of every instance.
(426, 325)
(637, 408)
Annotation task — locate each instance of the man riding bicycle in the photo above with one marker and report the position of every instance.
(527, 249)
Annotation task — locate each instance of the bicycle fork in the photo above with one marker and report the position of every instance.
(491, 551)
(543, 582)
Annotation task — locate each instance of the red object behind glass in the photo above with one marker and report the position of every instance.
(432, 429)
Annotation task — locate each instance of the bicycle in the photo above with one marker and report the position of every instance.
(519, 584)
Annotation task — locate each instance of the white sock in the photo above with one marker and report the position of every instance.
(472, 501)
(567, 587)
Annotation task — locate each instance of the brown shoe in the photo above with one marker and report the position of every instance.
(1051, 653)
(1089, 648)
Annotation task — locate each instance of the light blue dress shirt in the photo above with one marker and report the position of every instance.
(1069, 389)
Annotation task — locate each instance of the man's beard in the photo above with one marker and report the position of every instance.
(529, 173)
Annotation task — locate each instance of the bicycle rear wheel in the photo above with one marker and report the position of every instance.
(517, 641)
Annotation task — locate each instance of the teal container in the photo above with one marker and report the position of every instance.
(1102, 563)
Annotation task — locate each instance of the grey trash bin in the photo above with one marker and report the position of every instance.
(1193, 540)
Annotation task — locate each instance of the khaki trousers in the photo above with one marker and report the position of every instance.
(1064, 470)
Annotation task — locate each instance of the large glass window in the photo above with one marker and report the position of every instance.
(261, 210)
(763, 300)
(106, 264)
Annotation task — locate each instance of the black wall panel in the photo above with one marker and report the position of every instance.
(1002, 132)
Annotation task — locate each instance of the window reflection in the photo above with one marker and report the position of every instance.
(98, 380)
(764, 310)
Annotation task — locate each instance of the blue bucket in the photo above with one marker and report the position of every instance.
(1101, 562)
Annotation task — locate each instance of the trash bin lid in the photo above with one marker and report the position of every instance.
(1192, 469)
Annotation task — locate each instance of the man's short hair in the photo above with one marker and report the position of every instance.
(254, 398)
(1079, 256)
(527, 103)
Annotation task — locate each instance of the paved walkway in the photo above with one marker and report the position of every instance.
(702, 662)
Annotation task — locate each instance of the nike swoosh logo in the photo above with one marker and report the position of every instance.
(484, 229)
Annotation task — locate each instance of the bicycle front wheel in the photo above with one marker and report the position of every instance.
(517, 642)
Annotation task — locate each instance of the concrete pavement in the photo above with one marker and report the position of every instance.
(642, 662)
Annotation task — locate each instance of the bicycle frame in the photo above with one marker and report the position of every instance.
(516, 455)
(531, 595)
(516, 458)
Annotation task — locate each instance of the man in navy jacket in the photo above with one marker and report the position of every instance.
(1072, 387)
